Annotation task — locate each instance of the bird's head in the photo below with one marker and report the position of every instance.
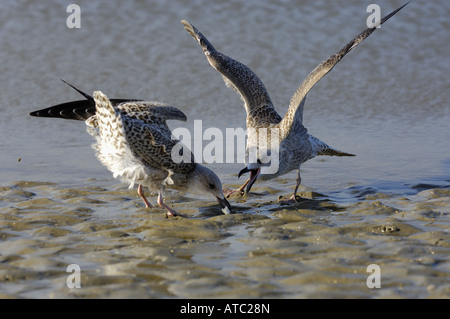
(206, 181)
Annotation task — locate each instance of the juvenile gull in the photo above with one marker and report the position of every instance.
(291, 142)
(135, 144)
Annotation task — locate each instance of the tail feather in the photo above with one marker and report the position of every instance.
(334, 152)
(322, 148)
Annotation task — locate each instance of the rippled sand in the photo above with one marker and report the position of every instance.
(316, 248)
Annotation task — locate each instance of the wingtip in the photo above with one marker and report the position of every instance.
(189, 28)
(186, 23)
(198, 36)
(87, 96)
(403, 6)
(394, 13)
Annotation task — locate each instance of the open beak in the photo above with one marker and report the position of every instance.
(243, 171)
(226, 207)
(254, 173)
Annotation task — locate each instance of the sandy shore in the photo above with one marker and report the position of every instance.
(313, 249)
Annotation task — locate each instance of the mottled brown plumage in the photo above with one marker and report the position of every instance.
(135, 144)
(294, 145)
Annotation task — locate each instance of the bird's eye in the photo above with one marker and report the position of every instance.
(212, 186)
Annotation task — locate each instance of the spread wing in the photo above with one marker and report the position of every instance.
(259, 107)
(295, 112)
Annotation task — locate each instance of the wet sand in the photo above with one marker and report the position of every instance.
(314, 249)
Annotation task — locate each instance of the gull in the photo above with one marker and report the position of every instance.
(268, 133)
(134, 142)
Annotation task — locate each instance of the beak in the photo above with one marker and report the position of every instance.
(254, 173)
(226, 207)
(243, 171)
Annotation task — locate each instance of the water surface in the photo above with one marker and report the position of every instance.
(386, 102)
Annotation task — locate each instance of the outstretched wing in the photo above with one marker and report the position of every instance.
(259, 107)
(295, 111)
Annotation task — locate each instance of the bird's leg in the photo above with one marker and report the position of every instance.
(239, 191)
(293, 199)
(141, 193)
(170, 211)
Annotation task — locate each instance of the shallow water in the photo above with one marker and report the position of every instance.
(386, 102)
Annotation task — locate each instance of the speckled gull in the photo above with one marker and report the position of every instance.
(134, 142)
(294, 145)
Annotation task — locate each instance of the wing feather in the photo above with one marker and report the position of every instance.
(295, 111)
(258, 105)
